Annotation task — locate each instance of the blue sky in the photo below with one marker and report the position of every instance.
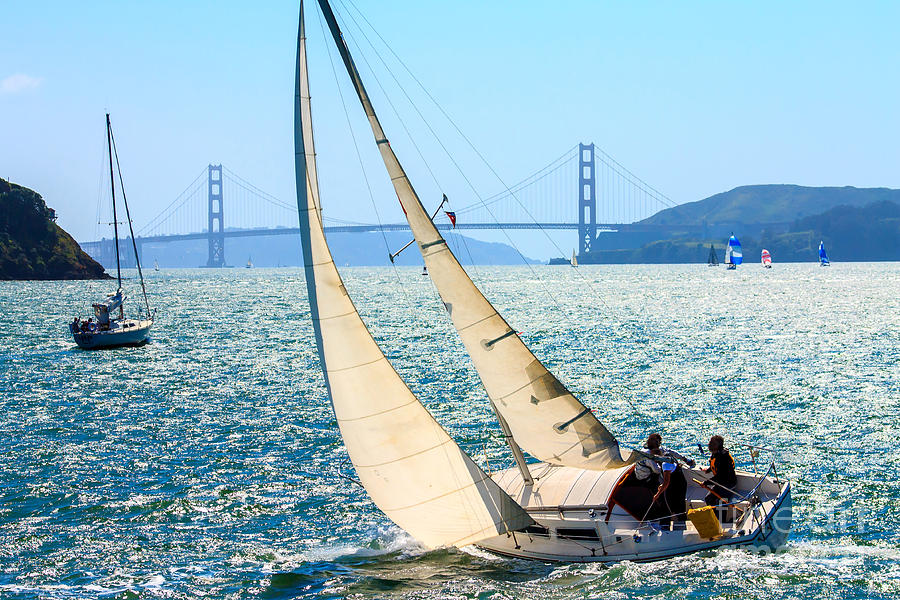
(695, 98)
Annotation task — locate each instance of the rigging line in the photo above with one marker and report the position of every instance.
(471, 145)
(384, 92)
(397, 113)
(359, 158)
(578, 272)
(462, 173)
(153, 221)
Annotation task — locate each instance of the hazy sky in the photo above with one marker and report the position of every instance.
(696, 98)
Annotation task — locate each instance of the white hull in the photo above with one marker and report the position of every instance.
(129, 332)
(574, 514)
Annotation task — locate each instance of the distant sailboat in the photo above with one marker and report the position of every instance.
(578, 502)
(823, 257)
(766, 259)
(111, 330)
(574, 261)
(249, 264)
(713, 259)
(733, 253)
(156, 265)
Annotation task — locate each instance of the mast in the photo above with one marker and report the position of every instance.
(112, 185)
(137, 259)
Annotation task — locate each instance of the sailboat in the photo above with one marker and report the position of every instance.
(823, 256)
(112, 329)
(249, 264)
(766, 259)
(733, 253)
(574, 261)
(156, 265)
(577, 502)
(713, 259)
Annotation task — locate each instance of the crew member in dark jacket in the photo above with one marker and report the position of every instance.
(721, 465)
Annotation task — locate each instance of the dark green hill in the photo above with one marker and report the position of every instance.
(850, 233)
(33, 246)
(752, 204)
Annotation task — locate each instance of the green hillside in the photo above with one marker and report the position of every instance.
(751, 204)
(850, 233)
(32, 245)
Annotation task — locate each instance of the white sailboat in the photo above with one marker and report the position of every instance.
(574, 261)
(110, 329)
(576, 503)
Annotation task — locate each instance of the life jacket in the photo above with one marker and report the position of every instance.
(722, 465)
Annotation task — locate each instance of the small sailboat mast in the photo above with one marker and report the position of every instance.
(137, 258)
(112, 185)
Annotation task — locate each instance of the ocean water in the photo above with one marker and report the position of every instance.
(208, 464)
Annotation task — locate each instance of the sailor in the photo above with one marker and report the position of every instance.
(664, 478)
(724, 478)
(74, 325)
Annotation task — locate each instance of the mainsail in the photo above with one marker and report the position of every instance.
(545, 419)
(410, 467)
(712, 260)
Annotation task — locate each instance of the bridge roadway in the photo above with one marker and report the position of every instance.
(237, 233)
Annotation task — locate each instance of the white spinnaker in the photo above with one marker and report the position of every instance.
(411, 468)
(545, 418)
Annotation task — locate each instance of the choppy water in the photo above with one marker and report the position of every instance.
(207, 463)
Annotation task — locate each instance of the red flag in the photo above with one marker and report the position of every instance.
(452, 216)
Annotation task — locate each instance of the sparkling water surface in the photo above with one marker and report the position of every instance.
(208, 463)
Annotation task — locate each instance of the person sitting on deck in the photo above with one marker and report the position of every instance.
(74, 326)
(721, 465)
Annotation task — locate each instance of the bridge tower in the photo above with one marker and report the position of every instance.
(216, 229)
(587, 199)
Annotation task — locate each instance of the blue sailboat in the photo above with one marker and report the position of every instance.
(823, 257)
(733, 253)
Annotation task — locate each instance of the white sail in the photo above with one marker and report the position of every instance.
(545, 419)
(410, 467)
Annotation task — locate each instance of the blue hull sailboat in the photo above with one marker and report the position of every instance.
(823, 256)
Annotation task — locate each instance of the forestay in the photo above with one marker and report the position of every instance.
(411, 468)
(545, 418)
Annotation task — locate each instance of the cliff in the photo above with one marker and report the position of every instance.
(33, 246)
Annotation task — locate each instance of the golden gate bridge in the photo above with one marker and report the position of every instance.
(584, 190)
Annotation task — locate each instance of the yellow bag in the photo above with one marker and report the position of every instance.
(706, 522)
